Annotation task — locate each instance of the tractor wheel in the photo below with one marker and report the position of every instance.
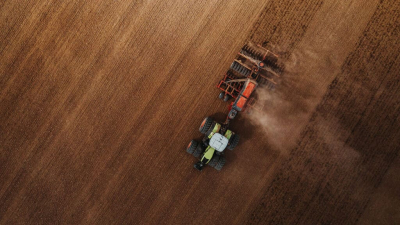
(205, 125)
(226, 98)
(214, 161)
(221, 162)
(191, 148)
(211, 129)
(233, 142)
(198, 151)
(221, 95)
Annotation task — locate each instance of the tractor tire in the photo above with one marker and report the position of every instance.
(233, 142)
(191, 148)
(221, 95)
(205, 125)
(198, 151)
(214, 161)
(210, 130)
(221, 162)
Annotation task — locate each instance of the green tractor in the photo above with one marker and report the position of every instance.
(211, 149)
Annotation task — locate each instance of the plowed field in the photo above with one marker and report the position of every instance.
(99, 99)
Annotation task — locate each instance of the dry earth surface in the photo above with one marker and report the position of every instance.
(98, 101)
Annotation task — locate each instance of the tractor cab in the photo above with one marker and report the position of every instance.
(218, 142)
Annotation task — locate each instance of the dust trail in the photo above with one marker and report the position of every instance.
(286, 110)
(310, 69)
(333, 135)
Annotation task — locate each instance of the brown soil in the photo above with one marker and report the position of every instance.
(99, 100)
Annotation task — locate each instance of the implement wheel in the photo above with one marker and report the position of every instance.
(226, 98)
(205, 125)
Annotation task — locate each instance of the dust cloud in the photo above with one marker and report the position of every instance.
(334, 136)
(284, 112)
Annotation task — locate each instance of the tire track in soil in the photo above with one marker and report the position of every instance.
(351, 140)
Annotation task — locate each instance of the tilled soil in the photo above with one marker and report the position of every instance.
(98, 101)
